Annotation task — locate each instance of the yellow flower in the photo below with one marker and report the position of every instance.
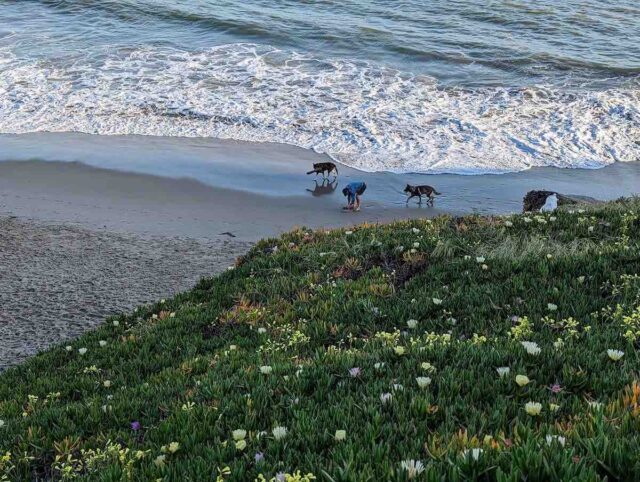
(241, 444)
(159, 461)
(428, 367)
(174, 447)
(239, 434)
(554, 407)
(399, 350)
(533, 408)
(522, 380)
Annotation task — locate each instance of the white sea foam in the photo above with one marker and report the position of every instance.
(364, 115)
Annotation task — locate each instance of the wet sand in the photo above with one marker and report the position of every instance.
(80, 241)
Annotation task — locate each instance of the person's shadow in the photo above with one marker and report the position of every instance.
(324, 188)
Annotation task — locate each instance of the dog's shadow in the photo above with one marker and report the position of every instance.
(324, 188)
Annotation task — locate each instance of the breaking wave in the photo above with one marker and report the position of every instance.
(362, 114)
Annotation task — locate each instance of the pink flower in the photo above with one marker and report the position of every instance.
(556, 388)
(355, 372)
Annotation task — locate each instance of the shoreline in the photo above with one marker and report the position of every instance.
(201, 187)
(83, 241)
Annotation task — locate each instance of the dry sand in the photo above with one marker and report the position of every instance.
(61, 280)
(79, 242)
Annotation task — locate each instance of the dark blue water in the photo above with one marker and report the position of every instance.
(428, 86)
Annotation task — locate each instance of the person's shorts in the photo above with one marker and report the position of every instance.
(361, 189)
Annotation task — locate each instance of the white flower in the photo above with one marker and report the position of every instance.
(423, 382)
(68, 348)
(558, 344)
(379, 365)
(527, 220)
(348, 233)
(595, 405)
(415, 230)
(533, 408)
(399, 350)
(522, 380)
(266, 369)
(436, 301)
(279, 432)
(102, 343)
(615, 355)
(485, 267)
(467, 257)
(558, 438)
(412, 467)
(340, 435)
(386, 398)
(82, 351)
(549, 256)
(262, 330)
(552, 307)
(590, 229)
(552, 219)
(233, 347)
(412, 323)
(154, 316)
(397, 387)
(413, 250)
(159, 460)
(480, 259)
(580, 279)
(2, 424)
(531, 347)
(107, 383)
(116, 323)
(503, 371)
(239, 434)
(474, 453)
(508, 224)
(416, 245)
(554, 407)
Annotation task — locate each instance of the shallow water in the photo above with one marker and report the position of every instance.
(409, 86)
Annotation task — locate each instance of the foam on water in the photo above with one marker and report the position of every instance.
(367, 116)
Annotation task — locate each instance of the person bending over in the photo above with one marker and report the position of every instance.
(353, 191)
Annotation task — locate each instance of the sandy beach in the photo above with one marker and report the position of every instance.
(82, 240)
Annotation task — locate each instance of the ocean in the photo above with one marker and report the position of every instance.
(409, 86)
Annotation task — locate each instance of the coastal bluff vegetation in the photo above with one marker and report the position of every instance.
(454, 348)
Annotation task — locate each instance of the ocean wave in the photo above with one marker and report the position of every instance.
(364, 115)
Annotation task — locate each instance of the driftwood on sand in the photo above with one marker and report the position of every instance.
(534, 200)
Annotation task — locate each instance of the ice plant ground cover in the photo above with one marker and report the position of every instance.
(252, 374)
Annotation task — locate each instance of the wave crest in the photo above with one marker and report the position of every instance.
(370, 117)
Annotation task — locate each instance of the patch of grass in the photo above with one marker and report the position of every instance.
(408, 337)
